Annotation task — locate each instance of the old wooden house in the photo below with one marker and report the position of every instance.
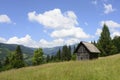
(85, 51)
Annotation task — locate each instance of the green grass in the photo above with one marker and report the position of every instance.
(107, 68)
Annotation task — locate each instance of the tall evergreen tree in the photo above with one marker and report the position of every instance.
(69, 53)
(0, 64)
(7, 61)
(104, 42)
(16, 59)
(48, 58)
(74, 50)
(95, 43)
(38, 57)
(52, 58)
(65, 53)
(116, 42)
(58, 55)
(73, 56)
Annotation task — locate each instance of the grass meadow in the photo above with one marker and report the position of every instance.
(105, 68)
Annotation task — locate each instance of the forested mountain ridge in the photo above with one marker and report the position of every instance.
(5, 49)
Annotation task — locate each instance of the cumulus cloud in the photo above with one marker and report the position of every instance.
(63, 24)
(2, 40)
(26, 41)
(116, 33)
(54, 19)
(98, 32)
(113, 27)
(110, 24)
(64, 27)
(4, 19)
(108, 8)
(72, 41)
(75, 32)
(56, 42)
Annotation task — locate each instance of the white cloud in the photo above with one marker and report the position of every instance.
(110, 24)
(98, 32)
(2, 40)
(4, 19)
(116, 33)
(56, 42)
(75, 32)
(64, 27)
(72, 41)
(54, 19)
(113, 27)
(108, 8)
(26, 41)
(63, 24)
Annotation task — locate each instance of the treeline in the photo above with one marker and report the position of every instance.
(15, 59)
(64, 54)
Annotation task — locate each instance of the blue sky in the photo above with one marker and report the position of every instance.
(43, 23)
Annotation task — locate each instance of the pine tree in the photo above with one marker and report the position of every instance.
(16, 59)
(65, 53)
(52, 58)
(0, 64)
(95, 43)
(48, 59)
(74, 50)
(7, 61)
(113, 50)
(69, 53)
(58, 55)
(104, 42)
(116, 42)
(73, 56)
(38, 57)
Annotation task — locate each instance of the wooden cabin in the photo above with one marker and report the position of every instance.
(86, 51)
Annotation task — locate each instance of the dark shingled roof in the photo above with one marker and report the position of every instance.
(91, 47)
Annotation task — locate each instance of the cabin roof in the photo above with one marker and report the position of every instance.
(91, 47)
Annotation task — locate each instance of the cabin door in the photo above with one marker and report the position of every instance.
(83, 56)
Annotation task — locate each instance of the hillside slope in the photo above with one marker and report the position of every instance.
(107, 68)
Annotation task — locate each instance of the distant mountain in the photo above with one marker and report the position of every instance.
(5, 50)
(53, 51)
